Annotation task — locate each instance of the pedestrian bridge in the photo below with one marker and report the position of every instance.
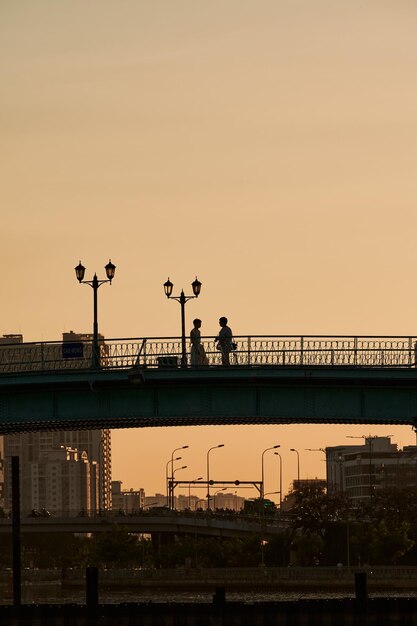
(271, 380)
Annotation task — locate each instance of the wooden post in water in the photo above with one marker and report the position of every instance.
(17, 564)
(91, 587)
(361, 593)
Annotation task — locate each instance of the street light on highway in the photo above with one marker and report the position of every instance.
(298, 464)
(172, 466)
(262, 468)
(280, 478)
(221, 445)
(172, 484)
(215, 494)
(189, 490)
(170, 461)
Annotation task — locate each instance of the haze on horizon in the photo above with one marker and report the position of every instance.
(268, 148)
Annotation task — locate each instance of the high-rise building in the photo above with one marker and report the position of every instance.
(60, 482)
(35, 448)
(360, 470)
(30, 447)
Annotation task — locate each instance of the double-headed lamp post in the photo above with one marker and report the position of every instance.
(221, 445)
(182, 299)
(262, 468)
(95, 284)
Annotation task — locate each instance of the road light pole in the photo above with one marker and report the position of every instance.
(298, 464)
(214, 496)
(221, 445)
(189, 490)
(262, 470)
(182, 299)
(172, 470)
(368, 441)
(170, 461)
(95, 284)
(325, 455)
(280, 479)
(172, 485)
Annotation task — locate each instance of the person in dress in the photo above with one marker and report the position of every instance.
(198, 354)
(224, 341)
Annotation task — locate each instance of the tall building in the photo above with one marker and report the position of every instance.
(61, 482)
(31, 447)
(36, 449)
(359, 470)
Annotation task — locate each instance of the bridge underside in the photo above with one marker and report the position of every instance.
(235, 395)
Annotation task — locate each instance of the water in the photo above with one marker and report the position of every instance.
(48, 593)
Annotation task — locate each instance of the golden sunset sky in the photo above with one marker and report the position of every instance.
(268, 147)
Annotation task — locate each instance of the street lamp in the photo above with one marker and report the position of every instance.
(172, 467)
(262, 467)
(95, 284)
(298, 464)
(178, 458)
(182, 299)
(172, 484)
(189, 490)
(215, 494)
(325, 459)
(280, 478)
(221, 445)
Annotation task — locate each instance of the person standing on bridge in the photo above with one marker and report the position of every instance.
(224, 341)
(198, 354)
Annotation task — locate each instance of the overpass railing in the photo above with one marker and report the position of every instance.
(252, 351)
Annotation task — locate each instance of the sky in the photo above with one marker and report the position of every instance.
(267, 147)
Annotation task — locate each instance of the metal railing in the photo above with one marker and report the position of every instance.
(253, 351)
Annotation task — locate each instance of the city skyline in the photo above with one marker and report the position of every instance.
(267, 148)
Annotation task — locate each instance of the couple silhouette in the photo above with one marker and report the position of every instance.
(223, 341)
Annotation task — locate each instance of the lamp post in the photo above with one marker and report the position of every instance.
(221, 445)
(172, 484)
(215, 494)
(262, 468)
(298, 464)
(189, 490)
(178, 458)
(325, 455)
(182, 299)
(368, 441)
(172, 468)
(95, 284)
(280, 478)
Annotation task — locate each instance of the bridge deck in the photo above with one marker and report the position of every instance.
(235, 395)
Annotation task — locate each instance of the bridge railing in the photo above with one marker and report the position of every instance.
(253, 351)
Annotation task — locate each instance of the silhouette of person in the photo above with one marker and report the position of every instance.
(198, 354)
(224, 341)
